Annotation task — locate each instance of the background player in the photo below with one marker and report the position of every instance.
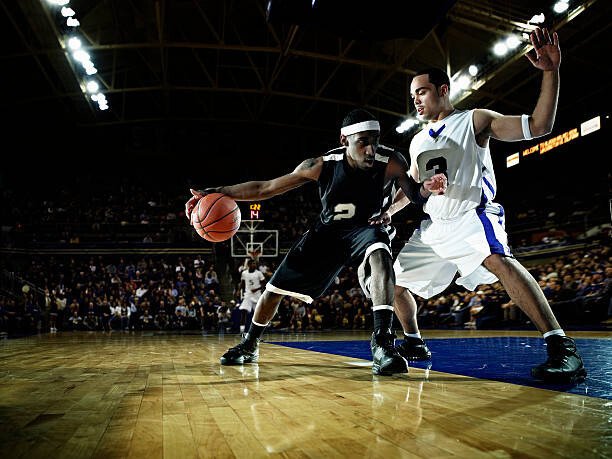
(252, 281)
(466, 230)
(357, 181)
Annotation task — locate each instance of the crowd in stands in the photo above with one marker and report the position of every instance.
(184, 293)
(169, 292)
(131, 213)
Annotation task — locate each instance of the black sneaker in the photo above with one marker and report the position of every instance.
(413, 349)
(247, 351)
(385, 359)
(564, 364)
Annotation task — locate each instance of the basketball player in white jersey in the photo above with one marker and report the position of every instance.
(465, 232)
(357, 181)
(251, 285)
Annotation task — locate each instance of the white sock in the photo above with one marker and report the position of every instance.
(558, 331)
(413, 335)
(241, 328)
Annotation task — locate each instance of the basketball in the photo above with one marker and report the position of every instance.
(216, 217)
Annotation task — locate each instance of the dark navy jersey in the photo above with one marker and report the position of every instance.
(352, 196)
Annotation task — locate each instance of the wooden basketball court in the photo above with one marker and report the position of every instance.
(161, 395)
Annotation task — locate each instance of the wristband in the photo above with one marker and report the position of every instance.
(525, 125)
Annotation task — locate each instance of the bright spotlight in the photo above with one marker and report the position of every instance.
(561, 6)
(500, 49)
(512, 42)
(463, 82)
(80, 56)
(473, 70)
(74, 43)
(67, 12)
(92, 86)
(537, 19)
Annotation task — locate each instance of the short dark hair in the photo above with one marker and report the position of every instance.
(358, 115)
(437, 76)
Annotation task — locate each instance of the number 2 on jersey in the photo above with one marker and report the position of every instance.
(345, 210)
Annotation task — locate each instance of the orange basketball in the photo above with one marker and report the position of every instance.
(216, 217)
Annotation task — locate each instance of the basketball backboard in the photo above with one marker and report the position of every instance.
(251, 241)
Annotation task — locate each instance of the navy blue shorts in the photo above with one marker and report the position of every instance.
(317, 258)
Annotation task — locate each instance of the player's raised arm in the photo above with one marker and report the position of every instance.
(415, 192)
(546, 56)
(307, 171)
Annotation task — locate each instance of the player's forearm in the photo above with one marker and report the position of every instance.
(543, 117)
(247, 191)
(401, 201)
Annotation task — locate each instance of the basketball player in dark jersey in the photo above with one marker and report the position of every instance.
(357, 182)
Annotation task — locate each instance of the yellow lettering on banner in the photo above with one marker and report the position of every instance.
(531, 150)
(255, 207)
(558, 140)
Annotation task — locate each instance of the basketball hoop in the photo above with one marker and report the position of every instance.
(254, 254)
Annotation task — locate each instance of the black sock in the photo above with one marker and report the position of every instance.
(383, 320)
(255, 332)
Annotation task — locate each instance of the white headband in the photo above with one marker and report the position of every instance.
(371, 125)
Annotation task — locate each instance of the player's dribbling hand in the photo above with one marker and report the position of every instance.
(436, 184)
(189, 205)
(384, 219)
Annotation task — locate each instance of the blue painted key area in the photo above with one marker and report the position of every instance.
(506, 359)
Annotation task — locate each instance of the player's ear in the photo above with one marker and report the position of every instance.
(443, 90)
(343, 140)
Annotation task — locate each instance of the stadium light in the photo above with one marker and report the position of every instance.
(500, 48)
(512, 42)
(74, 43)
(67, 12)
(92, 86)
(561, 6)
(537, 19)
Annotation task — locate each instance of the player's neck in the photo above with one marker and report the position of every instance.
(443, 114)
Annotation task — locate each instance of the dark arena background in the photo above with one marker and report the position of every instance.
(114, 312)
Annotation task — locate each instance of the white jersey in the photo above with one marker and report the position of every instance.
(251, 281)
(450, 146)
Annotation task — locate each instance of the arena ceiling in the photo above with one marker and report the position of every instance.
(233, 63)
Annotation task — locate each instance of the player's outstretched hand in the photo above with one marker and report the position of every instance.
(384, 219)
(546, 53)
(189, 205)
(436, 184)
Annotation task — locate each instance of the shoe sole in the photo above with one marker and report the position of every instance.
(416, 359)
(242, 361)
(577, 377)
(377, 371)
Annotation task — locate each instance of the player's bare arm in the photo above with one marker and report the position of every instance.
(412, 190)
(399, 202)
(308, 170)
(545, 56)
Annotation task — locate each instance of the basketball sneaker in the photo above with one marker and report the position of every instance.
(564, 364)
(247, 351)
(413, 349)
(385, 358)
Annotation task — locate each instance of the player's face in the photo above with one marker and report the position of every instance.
(361, 148)
(428, 100)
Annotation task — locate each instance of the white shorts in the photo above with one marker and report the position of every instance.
(429, 261)
(250, 301)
